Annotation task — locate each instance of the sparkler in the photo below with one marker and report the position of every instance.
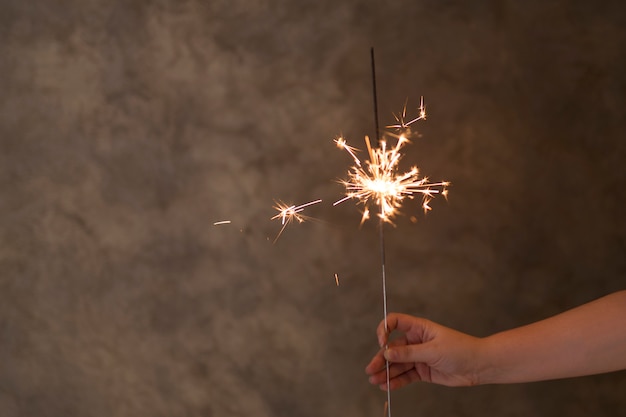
(289, 213)
(379, 182)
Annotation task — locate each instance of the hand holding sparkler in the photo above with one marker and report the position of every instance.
(426, 351)
(586, 340)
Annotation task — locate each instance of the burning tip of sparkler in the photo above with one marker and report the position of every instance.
(380, 183)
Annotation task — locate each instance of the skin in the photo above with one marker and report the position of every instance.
(585, 340)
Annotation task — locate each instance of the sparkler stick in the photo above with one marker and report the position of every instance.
(381, 226)
(379, 182)
(375, 96)
(289, 213)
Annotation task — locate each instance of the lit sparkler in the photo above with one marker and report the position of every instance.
(379, 182)
(289, 213)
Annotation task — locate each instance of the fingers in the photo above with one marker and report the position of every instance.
(403, 354)
(401, 380)
(378, 361)
(400, 352)
(376, 364)
(420, 353)
(399, 376)
(395, 370)
(401, 322)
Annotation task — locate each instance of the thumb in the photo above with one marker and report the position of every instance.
(409, 353)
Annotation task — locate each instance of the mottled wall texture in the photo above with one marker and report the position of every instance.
(127, 128)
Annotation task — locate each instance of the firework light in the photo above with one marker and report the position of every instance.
(379, 181)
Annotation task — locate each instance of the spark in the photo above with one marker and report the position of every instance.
(221, 222)
(400, 119)
(341, 144)
(337, 279)
(289, 213)
(380, 182)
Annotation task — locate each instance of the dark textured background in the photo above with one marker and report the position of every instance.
(128, 127)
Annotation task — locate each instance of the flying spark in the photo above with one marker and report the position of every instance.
(289, 213)
(405, 125)
(221, 222)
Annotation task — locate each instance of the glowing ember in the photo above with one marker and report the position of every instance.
(221, 222)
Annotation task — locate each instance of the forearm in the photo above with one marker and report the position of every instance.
(586, 340)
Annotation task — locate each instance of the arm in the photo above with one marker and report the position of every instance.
(586, 340)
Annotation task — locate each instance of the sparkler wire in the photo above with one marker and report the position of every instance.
(381, 223)
(375, 97)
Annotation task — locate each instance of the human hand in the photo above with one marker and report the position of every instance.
(426, 351)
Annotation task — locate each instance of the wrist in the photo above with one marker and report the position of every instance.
(483, 370)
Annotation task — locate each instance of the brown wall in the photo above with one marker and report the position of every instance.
(127, 128)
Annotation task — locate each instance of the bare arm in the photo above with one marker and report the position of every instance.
(586, 340)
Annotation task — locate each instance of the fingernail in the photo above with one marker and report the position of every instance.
(388, 354)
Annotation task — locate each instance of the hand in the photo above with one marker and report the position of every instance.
(425, 352)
